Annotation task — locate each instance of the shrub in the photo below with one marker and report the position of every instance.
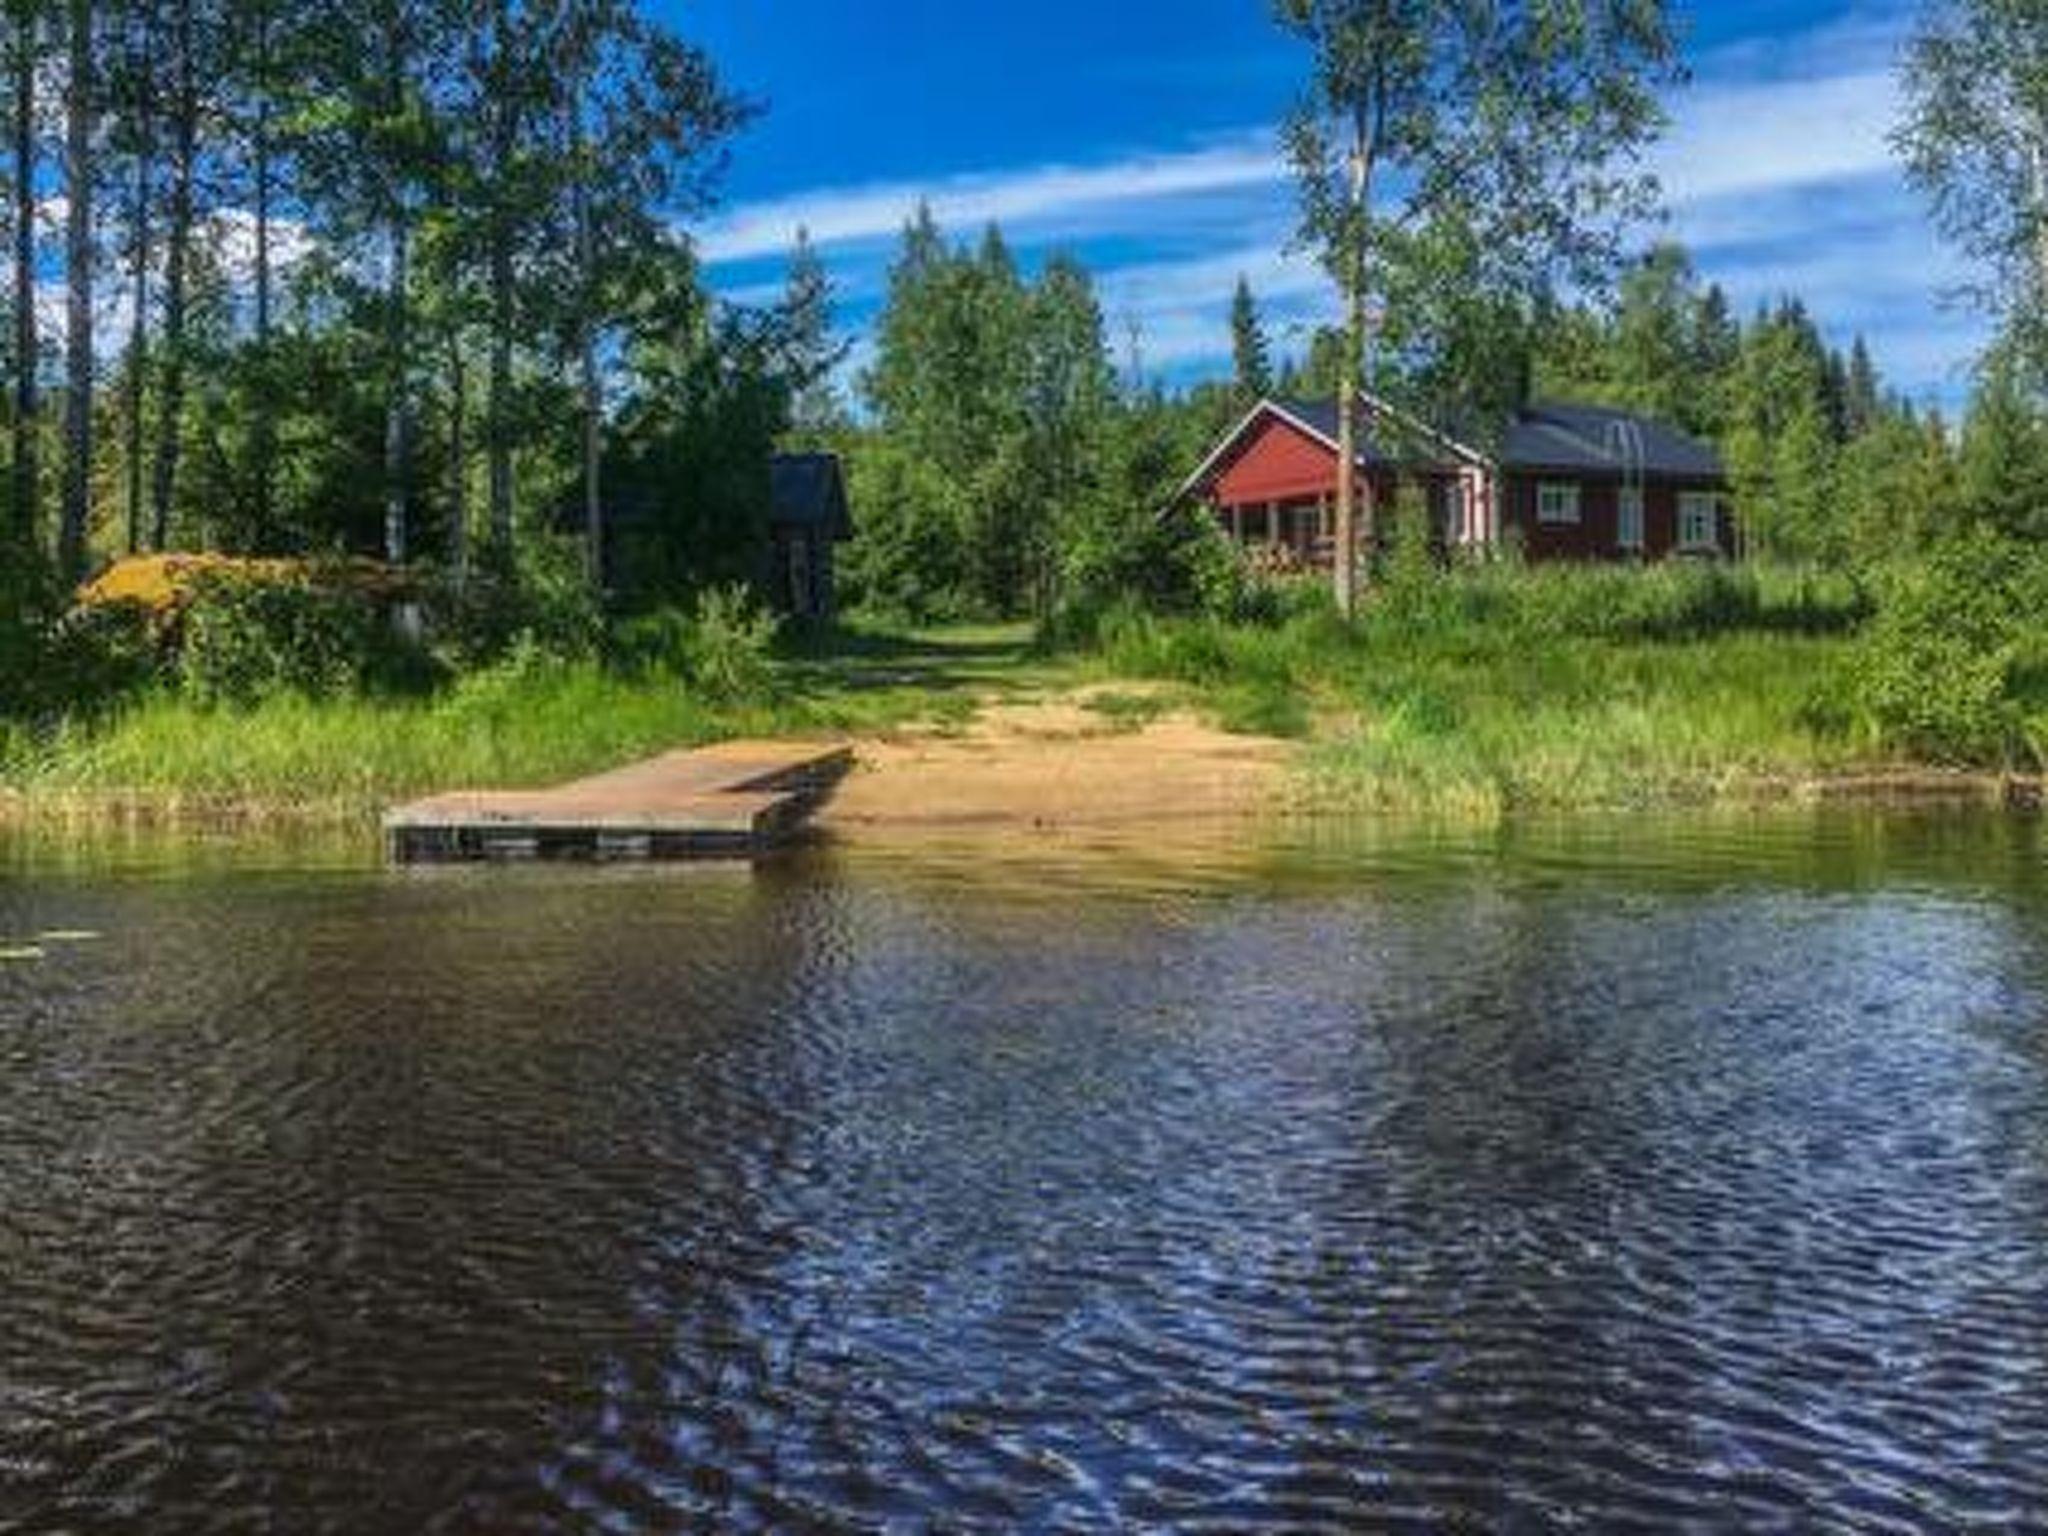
(99, 654)
(1945, 669)
(243, 640)
(731, 644)
(723, 648)
(543, 597)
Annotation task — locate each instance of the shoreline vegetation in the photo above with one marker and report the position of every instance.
(445, 500)
(1476, 694)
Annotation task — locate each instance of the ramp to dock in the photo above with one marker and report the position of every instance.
(725, 801)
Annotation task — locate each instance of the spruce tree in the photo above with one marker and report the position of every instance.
(1251, 359)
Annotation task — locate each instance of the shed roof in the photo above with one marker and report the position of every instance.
(808, 490)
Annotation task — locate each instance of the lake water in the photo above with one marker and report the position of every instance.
(1623, 1173)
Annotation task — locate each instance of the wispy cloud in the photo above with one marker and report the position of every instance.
(1020, 199)
(1735, 138)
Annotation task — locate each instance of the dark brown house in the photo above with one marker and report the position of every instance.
(1567, 482)
(808, 516)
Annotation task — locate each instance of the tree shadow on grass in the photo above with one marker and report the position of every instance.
(938, 662)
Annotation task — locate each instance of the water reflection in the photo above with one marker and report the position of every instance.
(1644, 1172)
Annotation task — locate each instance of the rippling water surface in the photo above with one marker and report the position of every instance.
(1653, 1175)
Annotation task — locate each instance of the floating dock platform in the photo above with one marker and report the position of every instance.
(731, 800)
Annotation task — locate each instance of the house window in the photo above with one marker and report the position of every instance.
(1699, 522)
(1628, 522)
(1558, 504)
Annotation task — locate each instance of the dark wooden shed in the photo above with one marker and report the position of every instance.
(808, 516)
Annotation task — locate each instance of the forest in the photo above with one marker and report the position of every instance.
(400, 296)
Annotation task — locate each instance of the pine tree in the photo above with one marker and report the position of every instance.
(1863, 391)
(81, 115)
(1250, 355)
(26, 63)
(2003, 460)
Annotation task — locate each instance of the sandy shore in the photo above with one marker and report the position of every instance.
(1056, 763)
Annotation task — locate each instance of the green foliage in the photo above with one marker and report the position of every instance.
(1251, 357)
(2002, 469)
(993, 400)
(97, 656)
(246, 640)
(730, 643)
(540, 596)
(724, 647)
(1410, 588)
(1403, 107)
(1970, 139)
(1946, 671)
(687, 464)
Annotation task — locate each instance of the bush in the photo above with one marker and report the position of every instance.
(1946, 670)
(244, 640)
(731, 644)
(543, 598)
(724, 648)
(97, 655)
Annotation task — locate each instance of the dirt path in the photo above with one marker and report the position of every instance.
(1057, 763)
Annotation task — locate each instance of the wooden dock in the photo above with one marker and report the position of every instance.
(725, 801)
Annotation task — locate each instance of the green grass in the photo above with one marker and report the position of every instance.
(1493, 691)
(1478, 694)
(522, 724)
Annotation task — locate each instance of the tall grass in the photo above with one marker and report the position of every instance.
(526, 721)
(1495, 688)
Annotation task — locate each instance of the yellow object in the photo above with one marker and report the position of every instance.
(165, 585)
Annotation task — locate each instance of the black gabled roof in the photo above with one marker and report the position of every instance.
(1598, 439)
(807, 490)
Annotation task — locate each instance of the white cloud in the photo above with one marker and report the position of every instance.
(1741, 138)
(1017, 199)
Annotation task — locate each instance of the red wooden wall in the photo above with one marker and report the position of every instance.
(1277, 461)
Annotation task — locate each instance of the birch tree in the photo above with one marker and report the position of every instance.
(1486, 142)
(1974, 139)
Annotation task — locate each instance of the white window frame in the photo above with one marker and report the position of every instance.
(1695, 505)
(1629, 535)
(1566, 516)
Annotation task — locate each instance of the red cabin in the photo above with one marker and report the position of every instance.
(1566, 481)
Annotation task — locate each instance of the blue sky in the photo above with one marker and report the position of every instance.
(1139, 134)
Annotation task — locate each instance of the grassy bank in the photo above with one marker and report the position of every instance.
(1494, 691)
(528, 721)
(1474, 694)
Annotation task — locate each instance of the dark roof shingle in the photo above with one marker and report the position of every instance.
(1596, 439)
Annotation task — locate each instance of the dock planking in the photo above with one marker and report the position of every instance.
(729, 800)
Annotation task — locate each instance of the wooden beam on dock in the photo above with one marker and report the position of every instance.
(731, 800)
